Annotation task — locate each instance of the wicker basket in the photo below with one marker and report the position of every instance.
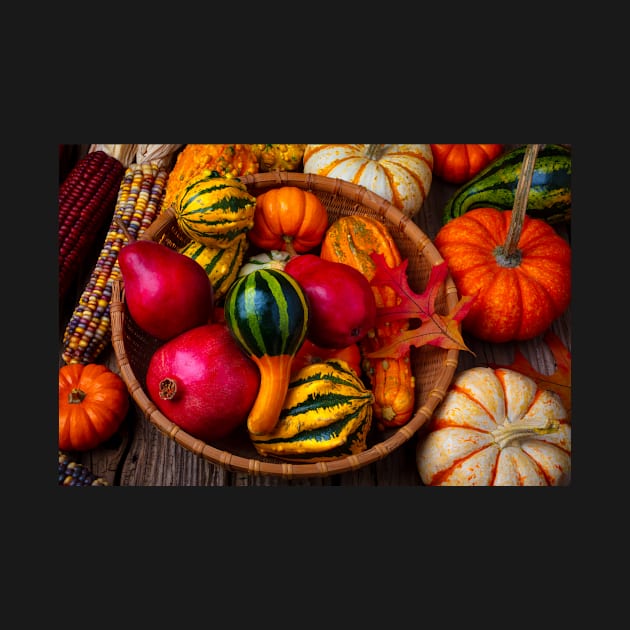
(433, 367)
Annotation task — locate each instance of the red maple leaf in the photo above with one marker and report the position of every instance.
(559, 381)
(433, 328)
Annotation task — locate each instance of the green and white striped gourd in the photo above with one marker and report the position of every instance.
(268, 314)
(495, 186)
(327, 414)
(222, 264)
(215, 210)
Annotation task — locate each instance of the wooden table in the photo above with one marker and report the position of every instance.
(140, 455)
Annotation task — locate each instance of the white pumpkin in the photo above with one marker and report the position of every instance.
(400, 173)
(496, 427)
(273, 259)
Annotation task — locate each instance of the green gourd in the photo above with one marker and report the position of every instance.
(327, 414)
(222, 264)
(215, 210)
(268, 314)
(495, 186)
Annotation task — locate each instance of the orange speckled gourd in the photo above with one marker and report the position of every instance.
(351, 240)
(226, 160)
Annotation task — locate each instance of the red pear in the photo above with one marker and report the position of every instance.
(166, 292)
(341, 300)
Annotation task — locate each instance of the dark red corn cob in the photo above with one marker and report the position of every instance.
(87, 198)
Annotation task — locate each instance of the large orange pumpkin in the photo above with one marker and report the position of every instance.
(517, 297)
(457, 163)
(93, 402)
(289, 219)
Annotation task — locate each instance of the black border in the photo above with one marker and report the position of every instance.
(374, 523)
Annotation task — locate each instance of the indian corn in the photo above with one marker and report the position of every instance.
(86, 200)
(137, 205)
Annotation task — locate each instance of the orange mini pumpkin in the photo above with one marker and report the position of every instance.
(517, 297)
(457, 163)
(289, 219)
(93, 402)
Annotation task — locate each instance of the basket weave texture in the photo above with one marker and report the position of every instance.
(433, 367)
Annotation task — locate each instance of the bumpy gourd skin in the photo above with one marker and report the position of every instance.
(279, 157)
(226, 160)
(352, 240)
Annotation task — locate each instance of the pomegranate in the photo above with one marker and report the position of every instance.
(341, 300)
(202, 381)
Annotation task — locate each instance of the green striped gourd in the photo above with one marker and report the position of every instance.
(268, 314)
(327, 414)
(215, 210)
(222, 264)
(495, 186)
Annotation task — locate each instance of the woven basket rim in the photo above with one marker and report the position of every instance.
(233, 462)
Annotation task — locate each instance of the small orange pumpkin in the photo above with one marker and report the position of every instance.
(458, 163)
(93, 402)
(289, 219)
(518, 296)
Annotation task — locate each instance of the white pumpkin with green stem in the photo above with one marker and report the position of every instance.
(496, 427)
(400, 173)
(273, 259)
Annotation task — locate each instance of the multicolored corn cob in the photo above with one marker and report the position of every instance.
(86, 201)
(138, 204)
(70, 473)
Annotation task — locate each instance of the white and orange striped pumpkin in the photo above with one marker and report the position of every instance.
(496, 427)
(401, 173)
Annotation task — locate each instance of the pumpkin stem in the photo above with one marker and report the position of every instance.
(373, 151)
(521, 197)
(524, 428)
(288, 246)
(76, 396)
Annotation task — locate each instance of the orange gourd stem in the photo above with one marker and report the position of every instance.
(508, 254)
(275, 373)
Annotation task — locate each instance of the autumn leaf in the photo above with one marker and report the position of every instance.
(559, 381)
(432, 328)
